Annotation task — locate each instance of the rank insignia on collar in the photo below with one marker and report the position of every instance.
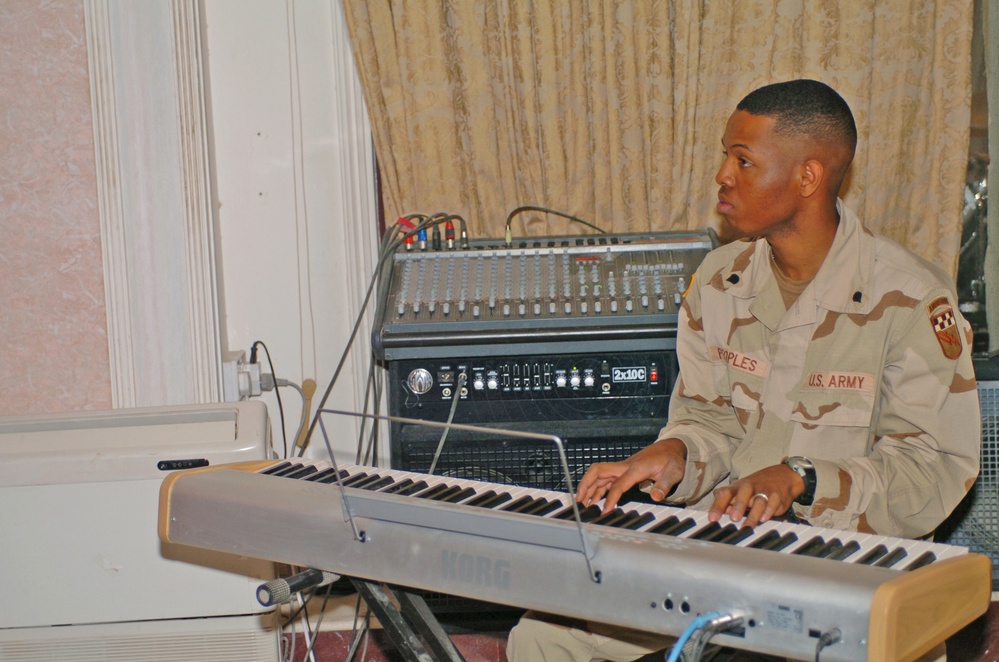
(944, 323)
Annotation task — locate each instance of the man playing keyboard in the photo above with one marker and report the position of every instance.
(825, 372)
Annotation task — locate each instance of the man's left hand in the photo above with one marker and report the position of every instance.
(758, 496)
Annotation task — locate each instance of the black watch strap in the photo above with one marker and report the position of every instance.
(804, 468)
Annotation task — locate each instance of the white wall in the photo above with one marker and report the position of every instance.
(295, 198)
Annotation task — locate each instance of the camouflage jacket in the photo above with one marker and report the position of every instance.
(869, 374)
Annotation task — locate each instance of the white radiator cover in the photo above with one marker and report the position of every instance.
(79, 500)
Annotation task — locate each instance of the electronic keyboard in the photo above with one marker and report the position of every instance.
(793, 589)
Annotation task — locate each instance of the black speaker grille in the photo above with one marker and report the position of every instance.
(975, 522)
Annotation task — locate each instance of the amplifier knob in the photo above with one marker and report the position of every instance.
(420, 381)
(560, 381)
(493, 384)
(588, 380)
(574, 381)
(478, 384)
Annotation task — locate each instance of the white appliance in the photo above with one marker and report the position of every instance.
(83, 572)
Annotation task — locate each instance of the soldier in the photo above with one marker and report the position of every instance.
(825, 372)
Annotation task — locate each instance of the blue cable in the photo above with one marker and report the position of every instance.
(694, 626)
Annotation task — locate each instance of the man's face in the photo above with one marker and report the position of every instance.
(758, 180)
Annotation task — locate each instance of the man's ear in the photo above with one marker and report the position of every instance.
(813, 173)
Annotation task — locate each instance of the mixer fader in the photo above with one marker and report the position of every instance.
(577, 290)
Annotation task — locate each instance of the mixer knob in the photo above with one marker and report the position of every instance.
(416, 307)
(522, 309)
(402, 309)
(419, 381)
(475, 310)
(614, 306)
(677, 298)
(645, 301)
(661, 305)
(582, 307)
(446, 308)
(568, 308)
(537, 309)
(551, 308)
(628, 305)
(461, 306)
(560, 381)
(597, 307)
(506, 310)
(432, 306)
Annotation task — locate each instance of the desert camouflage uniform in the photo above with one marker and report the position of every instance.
(868, 374)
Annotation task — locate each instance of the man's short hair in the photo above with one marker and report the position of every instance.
(806, 107)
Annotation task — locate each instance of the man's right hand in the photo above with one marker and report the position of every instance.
(662, 463)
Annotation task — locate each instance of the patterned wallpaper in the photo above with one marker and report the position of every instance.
(53, 325)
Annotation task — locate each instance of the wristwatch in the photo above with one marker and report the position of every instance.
(804, 468)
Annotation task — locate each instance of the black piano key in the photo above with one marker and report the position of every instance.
(378, 484)
(610, 518)
(706, 532)
(846, 551)
(636, 521)
(827, 549)
(740, 534)
(276, 468)
(327, 475)
(301, 471)
(439, 493)
(430, 492)
(674, 527)
(489, 499)
(809, 547)
(774, 542)
(587, 514)
(765, 540)
(515, 506)
(460, 495)
(925, 558)
(366, 483)
(543, 508)
(407, 487)
(872, 556)
(896, 555)
(350, 481)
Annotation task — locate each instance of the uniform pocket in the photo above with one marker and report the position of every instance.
(830, 398)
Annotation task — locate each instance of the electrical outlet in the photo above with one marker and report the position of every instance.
(240, 380)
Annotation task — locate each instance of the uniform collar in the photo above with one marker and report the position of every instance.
(843, 283)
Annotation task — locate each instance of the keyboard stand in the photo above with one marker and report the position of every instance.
(411, 626)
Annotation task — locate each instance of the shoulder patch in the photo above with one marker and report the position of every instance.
(944, 323)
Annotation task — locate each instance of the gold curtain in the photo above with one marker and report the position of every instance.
(613, 110)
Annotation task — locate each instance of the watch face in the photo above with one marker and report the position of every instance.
(800, 463)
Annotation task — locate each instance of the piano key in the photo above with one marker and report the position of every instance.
(433, 491)
(846, 551)
(925, 558)
(809, 547)
(279, 469)
(891, 559)
(325, 476)
(707, 532)
(873, 555)
(610, 518)
(635, 521)
(488, 499)
(673, 526)
(741, 533)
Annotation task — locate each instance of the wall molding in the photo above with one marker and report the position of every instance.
(154, 197)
